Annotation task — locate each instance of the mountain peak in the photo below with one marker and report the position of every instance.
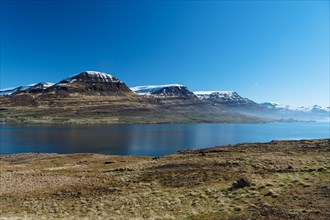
(223, 97)
(37, 87)
(167, 90)
(91, 76)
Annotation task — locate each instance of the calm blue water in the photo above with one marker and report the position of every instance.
(148, 139)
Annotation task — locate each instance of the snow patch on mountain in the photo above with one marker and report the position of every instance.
(207, 94)
(281, 107)
(42, 85)
(211, 92)
(90, 76)
(225, 97)
(277, 106)
(313, 108)
(153, 89)
(103, 76)
(9, 91)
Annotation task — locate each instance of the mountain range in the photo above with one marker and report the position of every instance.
(96, 97)
(281, 107)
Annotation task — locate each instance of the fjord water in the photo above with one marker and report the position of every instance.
(152, 140)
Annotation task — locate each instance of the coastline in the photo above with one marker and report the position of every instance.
(282, 179)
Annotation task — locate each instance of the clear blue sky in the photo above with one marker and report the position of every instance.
(266, 51)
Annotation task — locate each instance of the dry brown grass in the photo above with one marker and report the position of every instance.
(290, 180)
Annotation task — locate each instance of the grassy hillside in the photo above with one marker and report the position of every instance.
(85, 109)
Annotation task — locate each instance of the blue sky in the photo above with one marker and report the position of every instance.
(266, 51)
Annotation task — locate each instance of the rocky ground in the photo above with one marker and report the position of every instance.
(276, 180)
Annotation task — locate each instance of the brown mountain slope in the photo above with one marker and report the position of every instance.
(77, 108)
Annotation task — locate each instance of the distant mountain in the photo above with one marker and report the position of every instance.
(282, 108)
(29, 88)
(315, 112)
(9, 91)
(224, 97)
(314, 108)
(277, 106)
(170, 90)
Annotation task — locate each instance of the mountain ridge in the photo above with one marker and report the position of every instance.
(97, 97)
(159, 90)
(282, 107)
(224, 97)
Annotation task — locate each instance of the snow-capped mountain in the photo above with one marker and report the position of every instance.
(9, 91)
(223, 97)
(91, 77)
(314, 108)
(169, 90)
(29, 88)
(87, 82)
(92, 83)
(281, 107)
(277, 106)
(314, 113)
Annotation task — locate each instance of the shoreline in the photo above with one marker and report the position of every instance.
(274, 180)
(150, 123)
(174, 153)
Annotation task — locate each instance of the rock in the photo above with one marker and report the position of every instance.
(241, 183)
(270, 193)
(193, 193)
